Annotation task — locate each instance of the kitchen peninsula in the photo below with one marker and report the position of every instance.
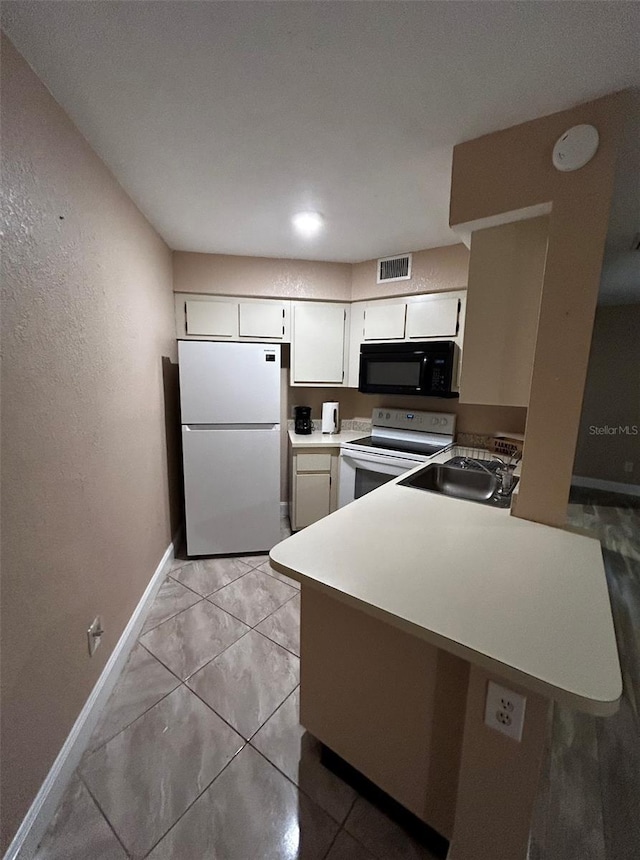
(411, 603)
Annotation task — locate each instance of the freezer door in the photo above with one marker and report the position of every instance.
(232, 488)
(229, 383)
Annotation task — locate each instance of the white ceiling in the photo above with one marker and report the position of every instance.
(223, 119)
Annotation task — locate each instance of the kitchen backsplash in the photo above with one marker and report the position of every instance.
(473, 440)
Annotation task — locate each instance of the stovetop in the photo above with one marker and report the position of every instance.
(398, 431)
(400, 446)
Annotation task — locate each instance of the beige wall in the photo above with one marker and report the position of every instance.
(512, 170)
(432, 270)
(87, 321)
(260, 276)
(353, 404)
(612, 397)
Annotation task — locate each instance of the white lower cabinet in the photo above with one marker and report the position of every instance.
(314, 485)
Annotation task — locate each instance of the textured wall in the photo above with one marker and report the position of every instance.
(87, 318)
(433, 270)
(612, 398)
(260, 276)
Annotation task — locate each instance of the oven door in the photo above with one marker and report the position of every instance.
(360, 473)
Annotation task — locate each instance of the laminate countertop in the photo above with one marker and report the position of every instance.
(325, 440)
(524, 600)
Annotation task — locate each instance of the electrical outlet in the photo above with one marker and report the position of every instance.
(628, 466)
(504, 711)
(94, 635)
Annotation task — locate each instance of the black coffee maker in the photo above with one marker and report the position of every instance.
(302, 420)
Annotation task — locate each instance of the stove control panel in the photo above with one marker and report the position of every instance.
(405, 419)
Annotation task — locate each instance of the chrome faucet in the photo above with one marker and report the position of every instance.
(505, 473)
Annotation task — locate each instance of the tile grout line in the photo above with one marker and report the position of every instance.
(180, 682)
(86, 757)
(211, 708)
(103, 813)
(196, 799)
(273, 641)
(240, 619)
(215, 590)
(144, 632)
(224, 719)
(224, 650)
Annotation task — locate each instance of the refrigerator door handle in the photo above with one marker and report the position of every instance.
(210, 427)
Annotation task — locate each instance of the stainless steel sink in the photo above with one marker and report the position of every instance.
(473, 484)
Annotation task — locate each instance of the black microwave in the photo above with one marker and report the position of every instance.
(428, 369)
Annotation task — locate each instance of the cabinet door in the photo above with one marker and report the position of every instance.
(262, 319)
(356, 333)
(384, 321)
(216, 319)
(313, 495)
(317, 352)
(432, 318)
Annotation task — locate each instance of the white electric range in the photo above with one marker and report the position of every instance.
(400, 440)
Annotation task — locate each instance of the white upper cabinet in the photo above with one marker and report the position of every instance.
(325, 337)
(217, 319)
(318, 343)
(433, 316)
(419, 317)
(262, 320)
(204, 317)
(385, 322)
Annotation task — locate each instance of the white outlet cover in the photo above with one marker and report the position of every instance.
(504, 711)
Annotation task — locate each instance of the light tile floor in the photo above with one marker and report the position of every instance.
(199, 754)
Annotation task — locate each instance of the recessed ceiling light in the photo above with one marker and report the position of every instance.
(308, 224)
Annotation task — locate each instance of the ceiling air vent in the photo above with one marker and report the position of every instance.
(394, 268)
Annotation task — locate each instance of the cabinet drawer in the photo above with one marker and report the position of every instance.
(320, 462)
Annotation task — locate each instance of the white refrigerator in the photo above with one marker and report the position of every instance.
(230, 413)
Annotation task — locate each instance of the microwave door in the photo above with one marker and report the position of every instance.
(391, 373)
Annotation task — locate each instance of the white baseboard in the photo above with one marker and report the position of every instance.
(284, 509)
(43, 808)
(611, 486)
